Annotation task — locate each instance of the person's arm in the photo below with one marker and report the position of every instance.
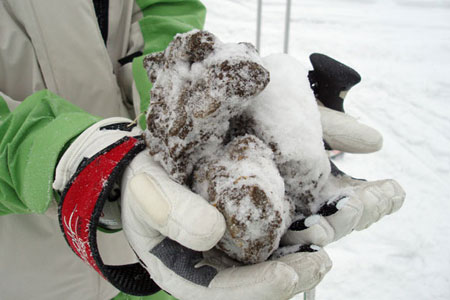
(32, 137)
(34, 131)
(34, 134)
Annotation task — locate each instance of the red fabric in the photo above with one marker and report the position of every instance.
(80, 200)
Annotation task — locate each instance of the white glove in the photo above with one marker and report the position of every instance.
(344, 133)
(172, 231)
(170, 228)
(369, 200)
(368, 203)
(89, 144)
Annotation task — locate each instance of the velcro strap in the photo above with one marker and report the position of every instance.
(81, 206)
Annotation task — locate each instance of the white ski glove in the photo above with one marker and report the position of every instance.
(171, 229)
(87, 178)
(368, 203)
(369, 200)
(344, 133)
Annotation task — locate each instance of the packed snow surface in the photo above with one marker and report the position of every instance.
(243, 182)
(285, 116)
(402, 50)
(199, 84)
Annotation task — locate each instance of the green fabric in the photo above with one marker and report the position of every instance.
(158, 296)
(31, 140)
(162, 20)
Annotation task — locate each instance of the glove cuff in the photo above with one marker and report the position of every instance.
(89, 143)
(85, 194)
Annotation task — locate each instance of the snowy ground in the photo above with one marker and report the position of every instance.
(402, 50)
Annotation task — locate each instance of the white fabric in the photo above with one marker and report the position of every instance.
(369, 202)
(56, 44)
(343, 132)
(188, 219)
(86, 145)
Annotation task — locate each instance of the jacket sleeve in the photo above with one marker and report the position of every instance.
(160, 21)
(34, 133)
(32, 136)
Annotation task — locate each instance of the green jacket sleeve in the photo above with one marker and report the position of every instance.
(161, 21)
(32, 137)
(34, 134)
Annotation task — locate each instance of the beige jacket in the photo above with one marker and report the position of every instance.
(35, 261)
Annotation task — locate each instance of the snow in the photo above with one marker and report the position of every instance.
(402, 50)
(249, 191)
(195, 94)
(285, 116)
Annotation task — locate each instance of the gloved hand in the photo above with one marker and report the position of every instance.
(171, 229)
(369, 201)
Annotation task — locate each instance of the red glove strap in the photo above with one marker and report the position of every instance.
(82, 203)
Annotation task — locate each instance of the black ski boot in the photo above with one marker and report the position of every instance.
(331, 80)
